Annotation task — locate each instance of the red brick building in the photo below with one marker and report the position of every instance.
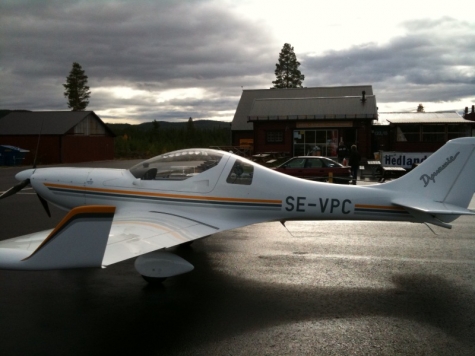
(295, 121)
(61, 136)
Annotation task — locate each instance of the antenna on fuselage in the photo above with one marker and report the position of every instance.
(283, 224)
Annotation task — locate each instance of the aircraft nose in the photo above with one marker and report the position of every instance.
(23, 175)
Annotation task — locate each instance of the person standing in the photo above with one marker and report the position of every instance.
(354, 163)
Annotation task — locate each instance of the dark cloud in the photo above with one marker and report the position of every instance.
(434, 61)
(158, 46)
(139, 41)
(146, 45)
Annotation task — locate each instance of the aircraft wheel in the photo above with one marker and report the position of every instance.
(154, 280)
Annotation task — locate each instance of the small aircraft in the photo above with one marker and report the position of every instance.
(181, 196)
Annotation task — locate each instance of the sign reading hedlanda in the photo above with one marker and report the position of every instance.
(426, 178)
(403, 159)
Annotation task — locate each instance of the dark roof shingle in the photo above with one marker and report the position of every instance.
(44, 122)
(240, 120)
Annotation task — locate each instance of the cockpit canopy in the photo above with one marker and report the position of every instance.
(177, 165)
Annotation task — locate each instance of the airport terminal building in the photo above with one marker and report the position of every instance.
(294, 122)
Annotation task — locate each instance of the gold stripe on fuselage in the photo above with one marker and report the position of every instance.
(161, 195)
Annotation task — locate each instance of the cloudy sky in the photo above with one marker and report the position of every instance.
(169, 60)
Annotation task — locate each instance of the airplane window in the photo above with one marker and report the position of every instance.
(241, 173)
(177, 165)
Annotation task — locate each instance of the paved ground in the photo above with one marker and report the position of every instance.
(314, 288)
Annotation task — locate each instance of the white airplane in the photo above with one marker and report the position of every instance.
(178, 197)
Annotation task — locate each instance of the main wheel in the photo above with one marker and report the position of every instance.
(154, 280)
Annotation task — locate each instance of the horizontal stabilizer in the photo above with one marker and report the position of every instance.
(427, 211)
(432, 207)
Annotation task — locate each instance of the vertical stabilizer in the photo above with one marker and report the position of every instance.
(447, 176)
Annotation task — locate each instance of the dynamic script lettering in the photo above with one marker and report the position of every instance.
(431, 178)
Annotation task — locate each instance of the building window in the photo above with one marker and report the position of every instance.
(433, 133)
(457, 130)
(275, 136)
(315, 142)
(408, 133)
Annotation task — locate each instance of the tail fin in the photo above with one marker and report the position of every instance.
(447, 176)
(440, 189)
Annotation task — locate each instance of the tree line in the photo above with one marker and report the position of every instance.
(155, 138)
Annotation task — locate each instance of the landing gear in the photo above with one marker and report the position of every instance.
(157, 266)
(155, 281)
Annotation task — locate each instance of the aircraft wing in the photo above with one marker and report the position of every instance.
(79, 240)
(95, 236)
(134, 233)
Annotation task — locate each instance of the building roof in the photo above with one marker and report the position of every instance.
(44, 122)
(314, 108)
(421, 118)
(243, 110)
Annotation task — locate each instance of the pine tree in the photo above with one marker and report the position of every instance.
(190, 126)
(77, 92)
(190, 133)
(287, 70)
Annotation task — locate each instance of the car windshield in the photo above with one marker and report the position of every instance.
(177, 165)
(331, 164)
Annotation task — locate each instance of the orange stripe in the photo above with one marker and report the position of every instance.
(91, 209)
(163, 195)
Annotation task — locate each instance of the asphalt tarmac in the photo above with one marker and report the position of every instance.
(313, 288)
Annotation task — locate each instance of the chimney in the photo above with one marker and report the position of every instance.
(363, 96)
(471, 115)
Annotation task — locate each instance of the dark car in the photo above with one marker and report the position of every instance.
(315, 168)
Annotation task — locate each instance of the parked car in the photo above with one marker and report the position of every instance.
(315, 168)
